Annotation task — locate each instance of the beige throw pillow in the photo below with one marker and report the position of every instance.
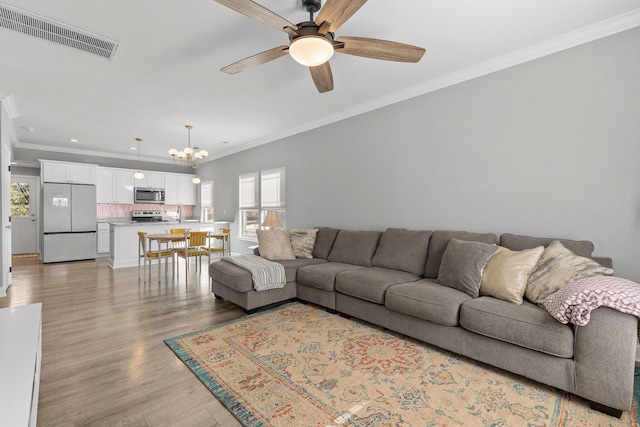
(302, 242)
(275, 245)
(506, 273)
(557, 267)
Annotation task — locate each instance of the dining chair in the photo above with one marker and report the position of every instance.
(227, 241)
(145, 253)
(178, 245)
(197, 245)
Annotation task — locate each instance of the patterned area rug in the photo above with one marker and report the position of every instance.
(298, 365)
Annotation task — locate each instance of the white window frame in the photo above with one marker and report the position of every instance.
(206, 202)
(260, 192)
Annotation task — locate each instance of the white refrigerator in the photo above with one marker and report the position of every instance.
(69, 222)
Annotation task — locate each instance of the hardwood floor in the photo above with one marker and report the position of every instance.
(104, 362)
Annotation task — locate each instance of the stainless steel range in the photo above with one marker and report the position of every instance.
(146, 216)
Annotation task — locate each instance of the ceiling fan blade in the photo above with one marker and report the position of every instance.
(257, 59)
(322, 77)
(337, 12)
(380, 49)
(258, 12)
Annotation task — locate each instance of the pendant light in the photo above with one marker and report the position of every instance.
(138, 174)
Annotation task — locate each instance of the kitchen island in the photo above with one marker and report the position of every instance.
(124, 242)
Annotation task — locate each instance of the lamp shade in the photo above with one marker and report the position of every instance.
(272, 220)
(311, 50)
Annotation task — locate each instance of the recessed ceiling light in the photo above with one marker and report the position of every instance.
(132, 148)
(73, 140)
(226, 142)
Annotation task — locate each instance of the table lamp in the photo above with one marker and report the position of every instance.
(272, 220)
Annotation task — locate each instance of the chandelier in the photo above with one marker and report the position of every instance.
(189, 156)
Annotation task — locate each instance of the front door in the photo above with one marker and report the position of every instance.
(24, 215)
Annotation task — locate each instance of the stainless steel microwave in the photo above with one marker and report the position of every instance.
(148, 195)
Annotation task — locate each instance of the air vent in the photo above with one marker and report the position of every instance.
(46, 29)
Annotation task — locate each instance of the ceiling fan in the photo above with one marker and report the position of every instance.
(312, 43)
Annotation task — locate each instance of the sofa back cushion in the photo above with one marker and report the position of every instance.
(324, 241)
(518, 243)
(355, 247)
(402, 249)
(440, 240)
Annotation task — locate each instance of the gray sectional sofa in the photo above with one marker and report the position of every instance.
(390, 279)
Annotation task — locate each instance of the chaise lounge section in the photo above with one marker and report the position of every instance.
(395, 280)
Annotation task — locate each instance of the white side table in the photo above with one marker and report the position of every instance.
(20, 358)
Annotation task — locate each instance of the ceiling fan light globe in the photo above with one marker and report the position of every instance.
(311, 51)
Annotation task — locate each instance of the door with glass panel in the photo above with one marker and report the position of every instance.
(24, 215)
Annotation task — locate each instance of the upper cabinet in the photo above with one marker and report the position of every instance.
(171, 189)
(72, 173)
(114, 186)
(186, 190)
(150, 180)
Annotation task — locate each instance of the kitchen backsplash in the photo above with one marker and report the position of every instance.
(118, 211)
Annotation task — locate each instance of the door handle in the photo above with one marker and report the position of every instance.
(8, 227)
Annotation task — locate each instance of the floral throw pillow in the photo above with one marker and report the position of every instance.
(302, 242)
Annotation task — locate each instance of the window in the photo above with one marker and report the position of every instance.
(206, 201)
(261, 192)
(20, 200)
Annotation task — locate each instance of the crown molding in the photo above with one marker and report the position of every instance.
(608, 27)
(92, 153)
(9, 105)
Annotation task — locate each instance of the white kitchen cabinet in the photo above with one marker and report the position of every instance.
(104, 185)
(170, 189)
(186, 190)
(151, 180)
(65, 172)
(115, 186)
(103, 238)
(123, 186)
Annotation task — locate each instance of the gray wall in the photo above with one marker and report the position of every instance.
(547, 148)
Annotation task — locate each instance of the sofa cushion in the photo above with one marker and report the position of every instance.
(427, 300)
(324, 241)
(526, 325)
(557, 267)
(355, 247)
(302, 241)
(440, 240)
(323, 276)
(402, 249)
(231, 276)
(292, 266)
(370, 284)
(274, 244)
(518, 243)
(462, 265)
(505, 275)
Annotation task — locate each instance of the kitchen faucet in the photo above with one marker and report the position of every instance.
(179, 213)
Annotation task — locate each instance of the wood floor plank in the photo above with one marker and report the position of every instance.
(104, 361)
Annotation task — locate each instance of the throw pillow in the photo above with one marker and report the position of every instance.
(402, 249)
(462, 265)
(506, 273)
(274, 245)
(557, 267)
(302, 242)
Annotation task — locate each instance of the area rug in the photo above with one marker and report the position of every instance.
(298, 365)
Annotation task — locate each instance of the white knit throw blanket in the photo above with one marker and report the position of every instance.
(264, 273)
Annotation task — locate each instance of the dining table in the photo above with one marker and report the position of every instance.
(166, 238)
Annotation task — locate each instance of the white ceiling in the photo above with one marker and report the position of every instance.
(165, 73)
